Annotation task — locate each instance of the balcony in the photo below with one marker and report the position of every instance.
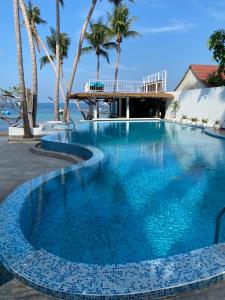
(155, 83)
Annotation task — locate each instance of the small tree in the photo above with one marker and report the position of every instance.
(216, 44)
(175, 106)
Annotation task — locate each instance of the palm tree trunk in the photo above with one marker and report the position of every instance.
(57, 78)
(27, 131)
(33, 60)
(60, 83)
(117, 66)
(77, 56)
(98, 67)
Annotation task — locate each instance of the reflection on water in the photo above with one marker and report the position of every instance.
(156, 193)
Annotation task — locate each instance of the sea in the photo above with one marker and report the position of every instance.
(45, 112)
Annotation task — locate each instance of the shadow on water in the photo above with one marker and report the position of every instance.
(99, 215)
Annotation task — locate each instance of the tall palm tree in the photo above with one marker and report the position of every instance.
(79, 51)
(34, 15)
(26, 126)
(77, 57)
(33, 60)
(57, 77)
(99, 41)
(51, 42)
(120, 24)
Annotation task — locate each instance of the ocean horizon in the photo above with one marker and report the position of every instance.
(45, 112)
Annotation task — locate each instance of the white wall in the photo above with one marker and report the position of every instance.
(190, 82)
(206, 103)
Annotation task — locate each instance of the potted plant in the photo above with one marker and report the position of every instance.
(204, 122)
(184, 119)
(175, 106)
(217, 125)
(194, 120)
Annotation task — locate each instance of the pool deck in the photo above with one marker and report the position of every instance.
(17, 165)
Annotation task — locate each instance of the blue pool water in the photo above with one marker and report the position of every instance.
(156, 193)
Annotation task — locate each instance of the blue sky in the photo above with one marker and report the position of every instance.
(174, 35)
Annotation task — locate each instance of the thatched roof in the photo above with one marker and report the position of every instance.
(111, 96)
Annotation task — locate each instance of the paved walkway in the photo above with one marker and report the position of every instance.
(18, 164)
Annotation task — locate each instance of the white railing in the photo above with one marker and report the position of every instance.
(109, 86)
(157, 81)
(152, 83)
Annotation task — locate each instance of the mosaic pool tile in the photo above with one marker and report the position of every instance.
(67, 280)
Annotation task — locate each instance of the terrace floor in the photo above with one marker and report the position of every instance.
(17, 165)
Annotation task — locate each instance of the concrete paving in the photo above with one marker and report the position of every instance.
(17, 165)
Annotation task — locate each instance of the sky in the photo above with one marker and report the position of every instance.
(174, 34)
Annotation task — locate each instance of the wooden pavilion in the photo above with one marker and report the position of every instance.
(126, 105)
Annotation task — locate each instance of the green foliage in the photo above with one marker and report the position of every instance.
(120, 23)
(51, 42)
(34, 15)
(98, 39)
(216, 44)
(13, 91)
(217, 79)
(118, 2)
(175, 106)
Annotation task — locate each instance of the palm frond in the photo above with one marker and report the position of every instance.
(86, 50)
(62, 3)
(120, 23)
(44, 60)
(132, 34)
(110, 45)
(104, 54)
(119, 2)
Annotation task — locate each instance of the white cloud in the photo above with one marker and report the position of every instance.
(174, 26)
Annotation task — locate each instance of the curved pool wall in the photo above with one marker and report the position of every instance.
(58, 277)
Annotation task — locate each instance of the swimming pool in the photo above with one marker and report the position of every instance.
(155, 192)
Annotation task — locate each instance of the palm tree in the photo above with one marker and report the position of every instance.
(33, 60)
(77, 56)
(79, 51)
(26, 126)
(120, 24)
(99, 41)
(51, 42)
(58, 66)
(34, 16)
(118, 2)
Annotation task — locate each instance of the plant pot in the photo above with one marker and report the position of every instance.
(217, 126)
(193, 123)
(204, 124)
(184, 121)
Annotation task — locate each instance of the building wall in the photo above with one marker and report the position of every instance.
(190, 82)
(201, 103)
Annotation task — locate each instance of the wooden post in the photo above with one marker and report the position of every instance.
(128, 108)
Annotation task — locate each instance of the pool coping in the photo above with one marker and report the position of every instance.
(58, 277)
